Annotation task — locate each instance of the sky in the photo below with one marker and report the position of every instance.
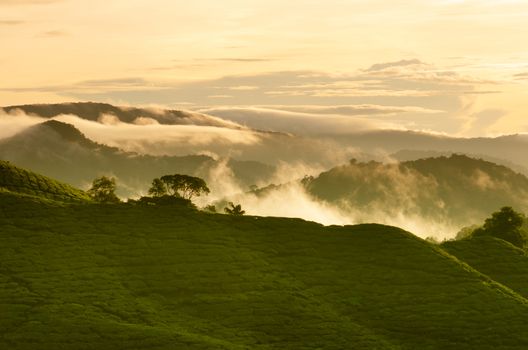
(446, 66)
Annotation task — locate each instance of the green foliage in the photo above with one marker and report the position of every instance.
(18, 180)
(506, 224)
(178, 185)
(103, 190)
(466, 232)
(233, 209)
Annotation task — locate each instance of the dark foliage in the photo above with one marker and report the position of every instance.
(103, 190)
(233, 209)
(506, 224)
(178, 185)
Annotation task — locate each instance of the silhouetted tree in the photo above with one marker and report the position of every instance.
(505, 224)
(233, 209)
(158, 188)
(103, 190)
(210, 208)
(177, 185)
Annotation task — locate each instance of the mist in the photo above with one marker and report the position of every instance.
(301, 121)
(400, 195)
(15, 122)
(290, 198)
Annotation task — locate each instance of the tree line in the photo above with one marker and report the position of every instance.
(168, 189)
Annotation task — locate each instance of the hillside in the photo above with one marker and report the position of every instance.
(87, 276)
(495, 258)
(61, 151)
(458, 190)
(17, 180)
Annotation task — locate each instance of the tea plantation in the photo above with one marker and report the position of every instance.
(81, 275)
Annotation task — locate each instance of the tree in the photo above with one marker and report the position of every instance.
(233, 209)
(210, 208)
(103, 190)
(158, 188)
(177, 185)
(505, 224)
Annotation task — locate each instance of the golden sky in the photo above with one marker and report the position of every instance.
(462, 65)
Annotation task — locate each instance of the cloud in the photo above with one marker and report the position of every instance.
(11, 22)
(361, 110)
(480, 122)
(145, 137)
(236, 59)
(521, 76)
(296, 122)
(402, 63)
(406, 91)
(16, 121)
(208, 62)
(243, 88)
(28, 2)
(53, 34)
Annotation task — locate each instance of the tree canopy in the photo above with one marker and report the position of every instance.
(233, 209)
(103, 190)
(506, 224)
(178, 185)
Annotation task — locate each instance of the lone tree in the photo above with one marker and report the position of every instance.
(505, 224)
(103, 190)
(177, 185)
(233, 209)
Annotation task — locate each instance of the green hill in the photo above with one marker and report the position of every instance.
(457, 190)
(132, 276)
(494, 257)
(18, 180)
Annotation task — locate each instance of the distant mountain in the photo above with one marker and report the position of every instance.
(317, 149)
(97, 112)
(456, 190)
(509, 148)
(60, 150)
(407, 155)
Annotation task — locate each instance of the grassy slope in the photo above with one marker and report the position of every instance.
(18, 180)
(83, 276)
(496, 258)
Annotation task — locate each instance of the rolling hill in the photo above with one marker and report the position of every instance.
(17, 180)
(61, 151)
(494, 257)
(457, 190)
(85, 275)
